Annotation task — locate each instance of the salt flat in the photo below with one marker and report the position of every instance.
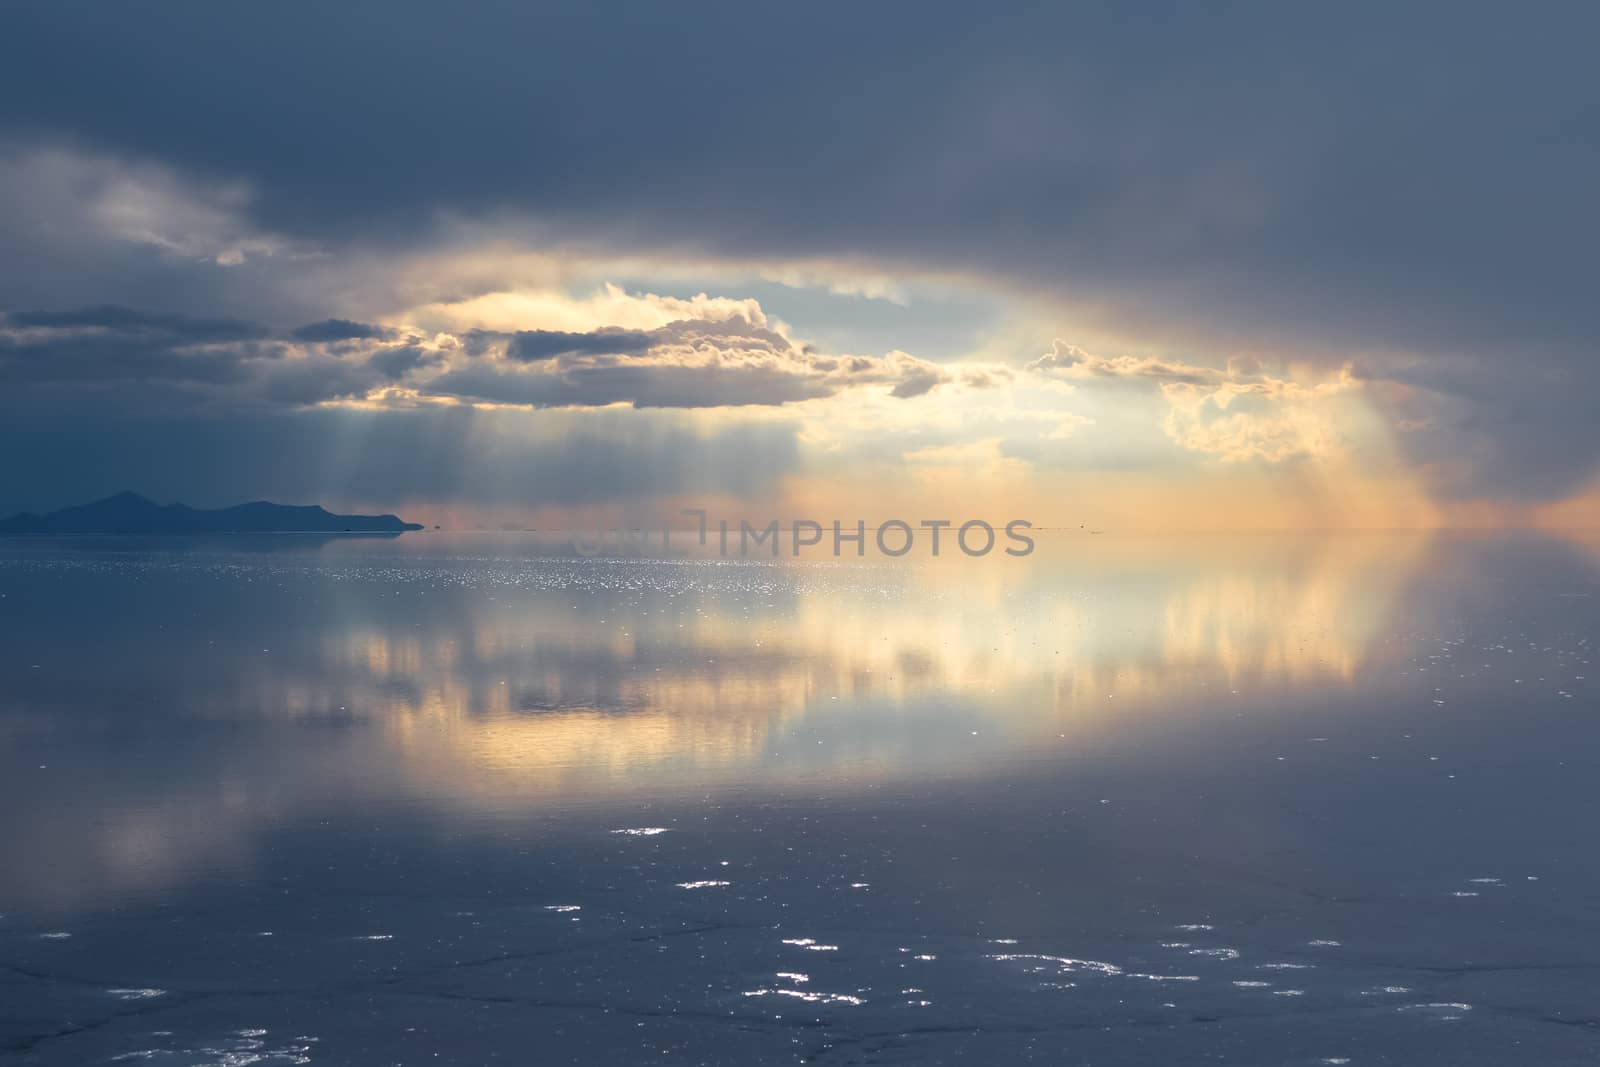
(471, 799)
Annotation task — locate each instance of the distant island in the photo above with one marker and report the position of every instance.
(134, 514)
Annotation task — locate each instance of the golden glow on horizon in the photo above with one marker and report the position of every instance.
(1133, 441)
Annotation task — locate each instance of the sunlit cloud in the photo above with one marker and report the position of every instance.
(194, 305)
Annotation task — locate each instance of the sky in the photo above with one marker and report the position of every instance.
(1112, 265)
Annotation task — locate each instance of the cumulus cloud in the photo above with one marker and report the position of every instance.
(1235, 414)
(510, 310)
(916, 379)
(1069, 361)
(1269, 420)
(691, 363)
(988, 378)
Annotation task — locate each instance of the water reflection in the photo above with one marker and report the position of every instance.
(226, 691)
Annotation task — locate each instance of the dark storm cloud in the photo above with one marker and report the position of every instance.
(129, 321)
(174, 360)
(110, 345)
(1355, 177)
(340, 330)
(396, 363)
(1471, 424)
(169, 361)
(104, 361)
(530, 345)
(1304, 160)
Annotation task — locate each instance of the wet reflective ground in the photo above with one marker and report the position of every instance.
(471, 799)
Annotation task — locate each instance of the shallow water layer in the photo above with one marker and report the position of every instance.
(473, 798)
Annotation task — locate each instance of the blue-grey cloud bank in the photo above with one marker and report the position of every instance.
(287, 210)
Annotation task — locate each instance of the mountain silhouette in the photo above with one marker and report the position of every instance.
(132, 513)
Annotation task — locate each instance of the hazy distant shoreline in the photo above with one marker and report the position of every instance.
(131, 514)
